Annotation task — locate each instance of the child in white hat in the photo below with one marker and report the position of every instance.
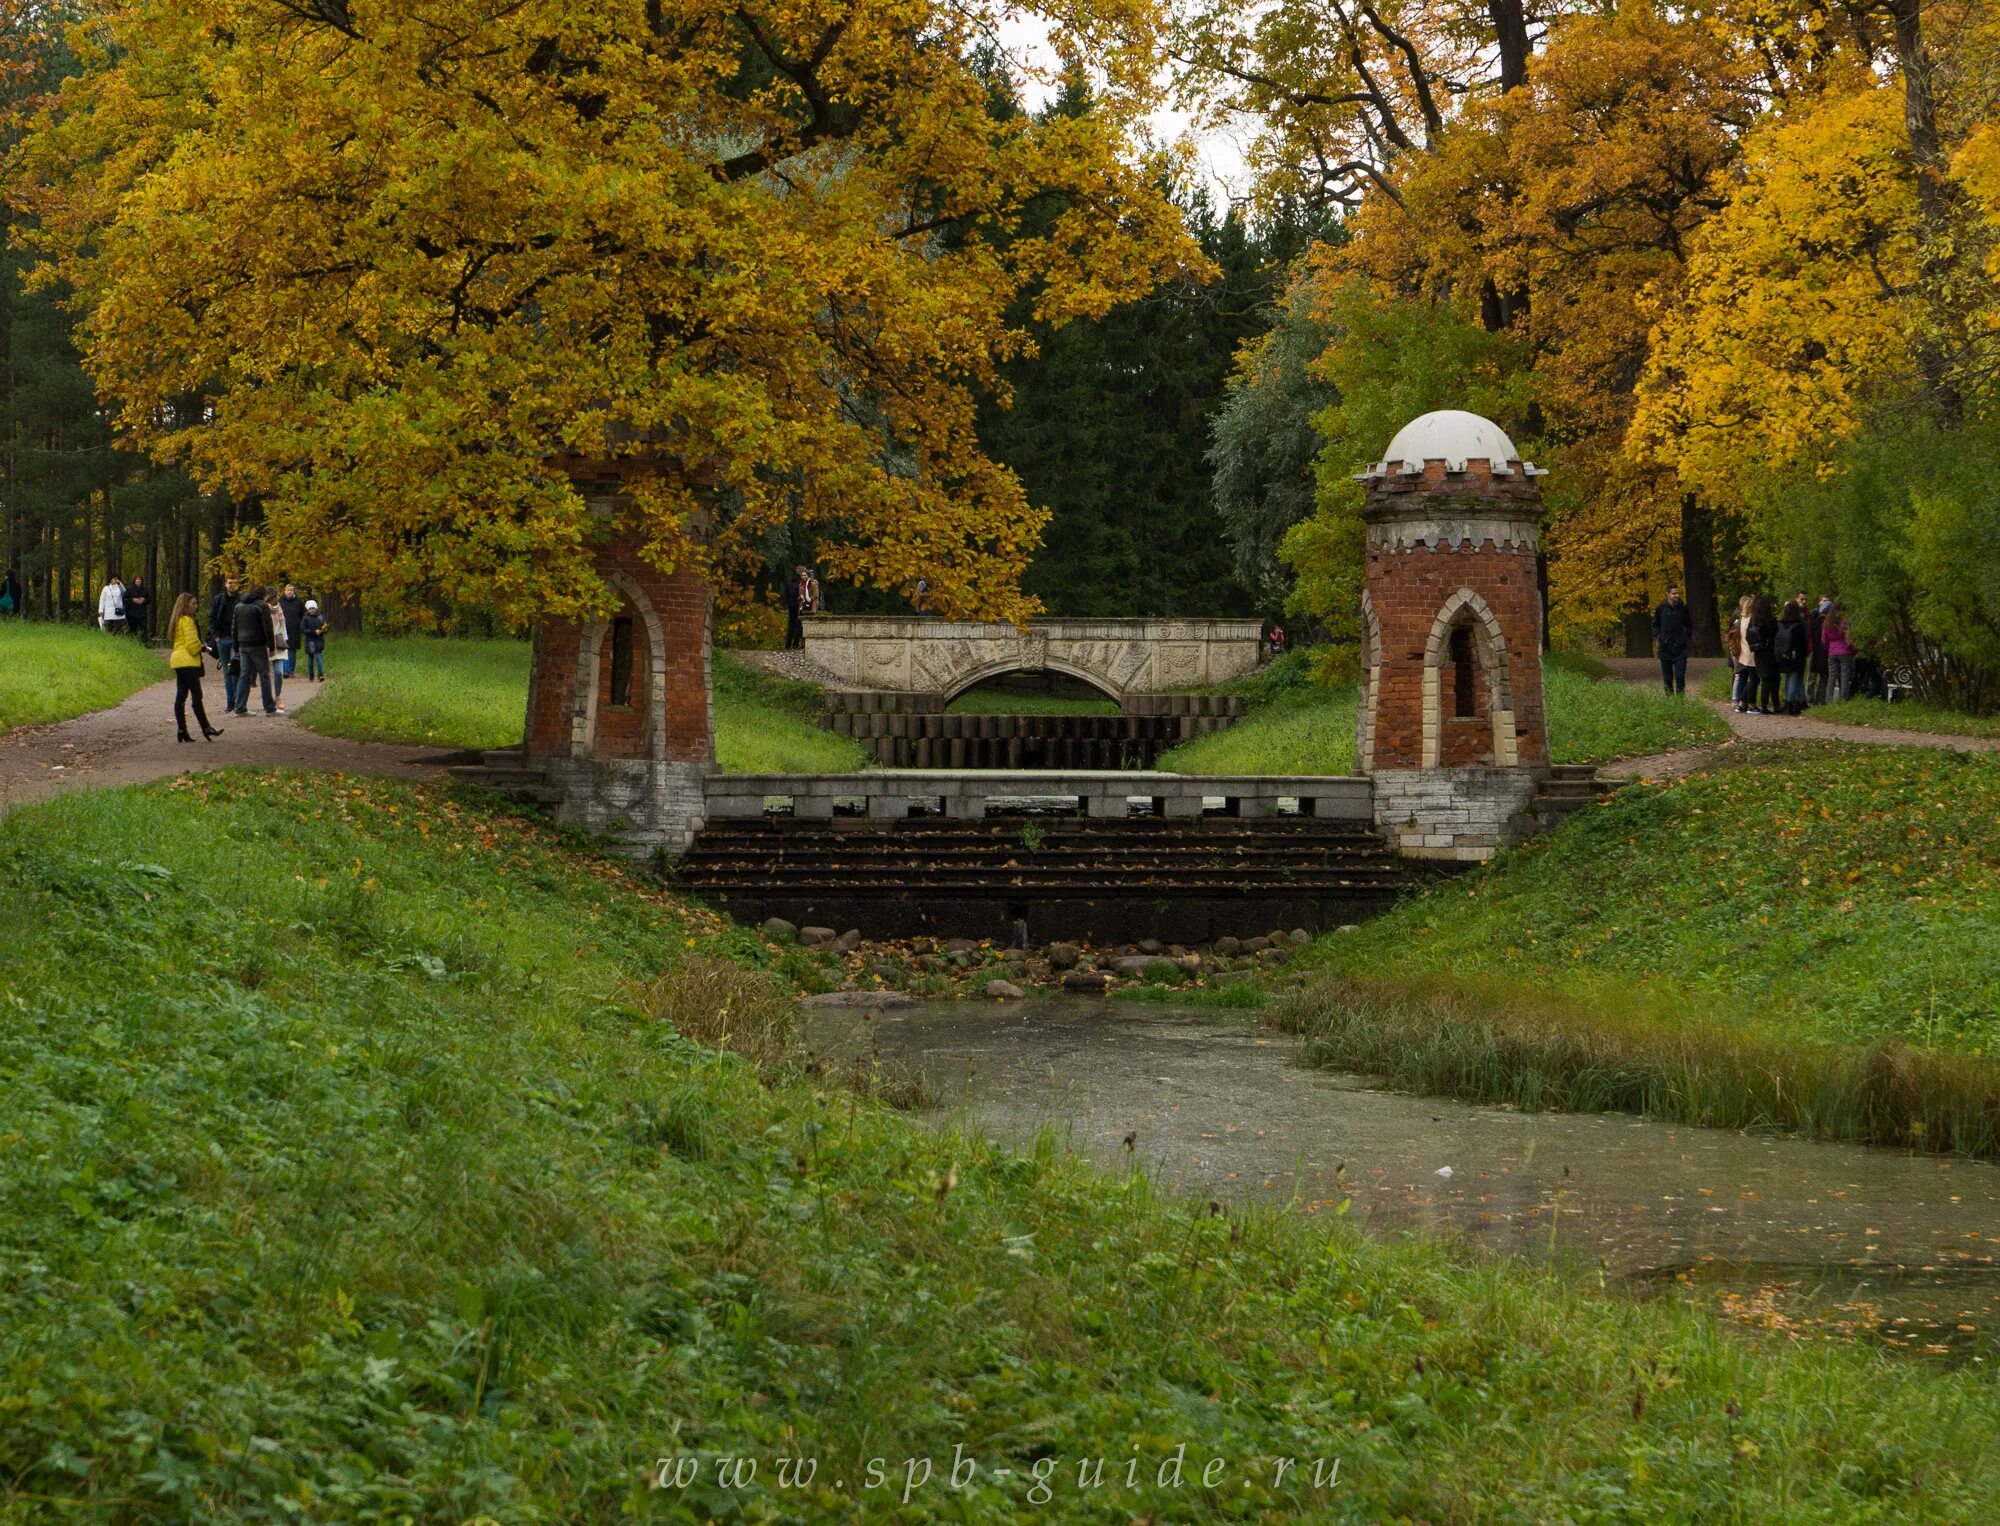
(312, 630)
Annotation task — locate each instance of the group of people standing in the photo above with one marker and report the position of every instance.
(125, 607)
(253, 633)
(1781, 660)
(1788, 659)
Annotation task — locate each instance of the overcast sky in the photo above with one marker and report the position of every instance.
(1218, 151)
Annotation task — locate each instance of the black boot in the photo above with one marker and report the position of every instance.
(211, 732)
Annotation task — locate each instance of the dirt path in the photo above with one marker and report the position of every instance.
(1765, 728)
(133, 743)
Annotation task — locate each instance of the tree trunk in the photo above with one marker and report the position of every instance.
(1698, 572)
(1510, 34)
(1934, 203)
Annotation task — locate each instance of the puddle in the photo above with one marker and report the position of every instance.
(1867, 1243)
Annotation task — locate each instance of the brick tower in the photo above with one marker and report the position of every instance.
(1451, 727)
(619, 717)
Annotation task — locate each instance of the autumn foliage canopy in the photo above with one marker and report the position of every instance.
(388, 267)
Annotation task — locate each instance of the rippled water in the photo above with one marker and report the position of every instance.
(1876, 1243)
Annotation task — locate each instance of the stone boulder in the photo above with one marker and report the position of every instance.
(1228, 947)
(779, 928)
(870, 1001)
(813, 937)
(848, 941)
(1003, 990)
(1090, 981)
(1063, 956)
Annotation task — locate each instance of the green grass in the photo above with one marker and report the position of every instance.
(463, 692)
(1904, 715)
(1820, 920)
(399, 1195)
(1010, 702)
(52, 672)
(447, 691)
(1907, 715)
(1295, 726)
(765, 724)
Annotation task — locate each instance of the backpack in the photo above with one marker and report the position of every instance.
(1788, 641)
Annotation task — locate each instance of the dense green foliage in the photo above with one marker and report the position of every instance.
(1264, 442)
(394, 1195)
(1105, 430)
(52, 672)
(1906, 525)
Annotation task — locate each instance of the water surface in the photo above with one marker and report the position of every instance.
(1896, 1246)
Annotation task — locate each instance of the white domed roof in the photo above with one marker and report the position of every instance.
(1450, 434)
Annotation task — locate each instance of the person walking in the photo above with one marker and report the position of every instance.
(138, 612)
(1742, 663)
(1764, 655)
(111, 607)
(1839, 654)
(281, 643)
(222, 636)
(253, 651)
(11, 597)
(1793, 649)
(295, 618)
(1673, 629)
(810, 602)
(312, 633)
(186, 663)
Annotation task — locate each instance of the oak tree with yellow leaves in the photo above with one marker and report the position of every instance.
(422, 255)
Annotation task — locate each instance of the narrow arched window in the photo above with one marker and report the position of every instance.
(1463, 700)
(621, 661)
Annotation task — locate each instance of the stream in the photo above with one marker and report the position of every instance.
(1783, 1233)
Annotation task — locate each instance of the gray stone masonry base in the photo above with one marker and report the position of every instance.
(649, 807)
(1465, 815)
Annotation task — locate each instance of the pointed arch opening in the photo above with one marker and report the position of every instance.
(621, 673)
(1468, 693)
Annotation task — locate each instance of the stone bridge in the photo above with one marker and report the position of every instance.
(921, 655)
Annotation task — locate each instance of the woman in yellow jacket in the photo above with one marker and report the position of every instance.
(186, 662)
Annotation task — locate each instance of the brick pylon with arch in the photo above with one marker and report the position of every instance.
(1451, 725)
(620, 720)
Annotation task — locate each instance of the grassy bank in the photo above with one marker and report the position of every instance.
(1294, 726)
(53, 672)
(468, 693)
(446, 691)
(765, 724)
(398, 1194)
(1809, 937)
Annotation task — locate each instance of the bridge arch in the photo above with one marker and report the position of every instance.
(1025, 664)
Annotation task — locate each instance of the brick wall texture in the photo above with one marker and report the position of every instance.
(1432, 540)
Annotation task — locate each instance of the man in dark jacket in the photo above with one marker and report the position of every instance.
(1673, 629)
(254, 635)
(222, 634)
